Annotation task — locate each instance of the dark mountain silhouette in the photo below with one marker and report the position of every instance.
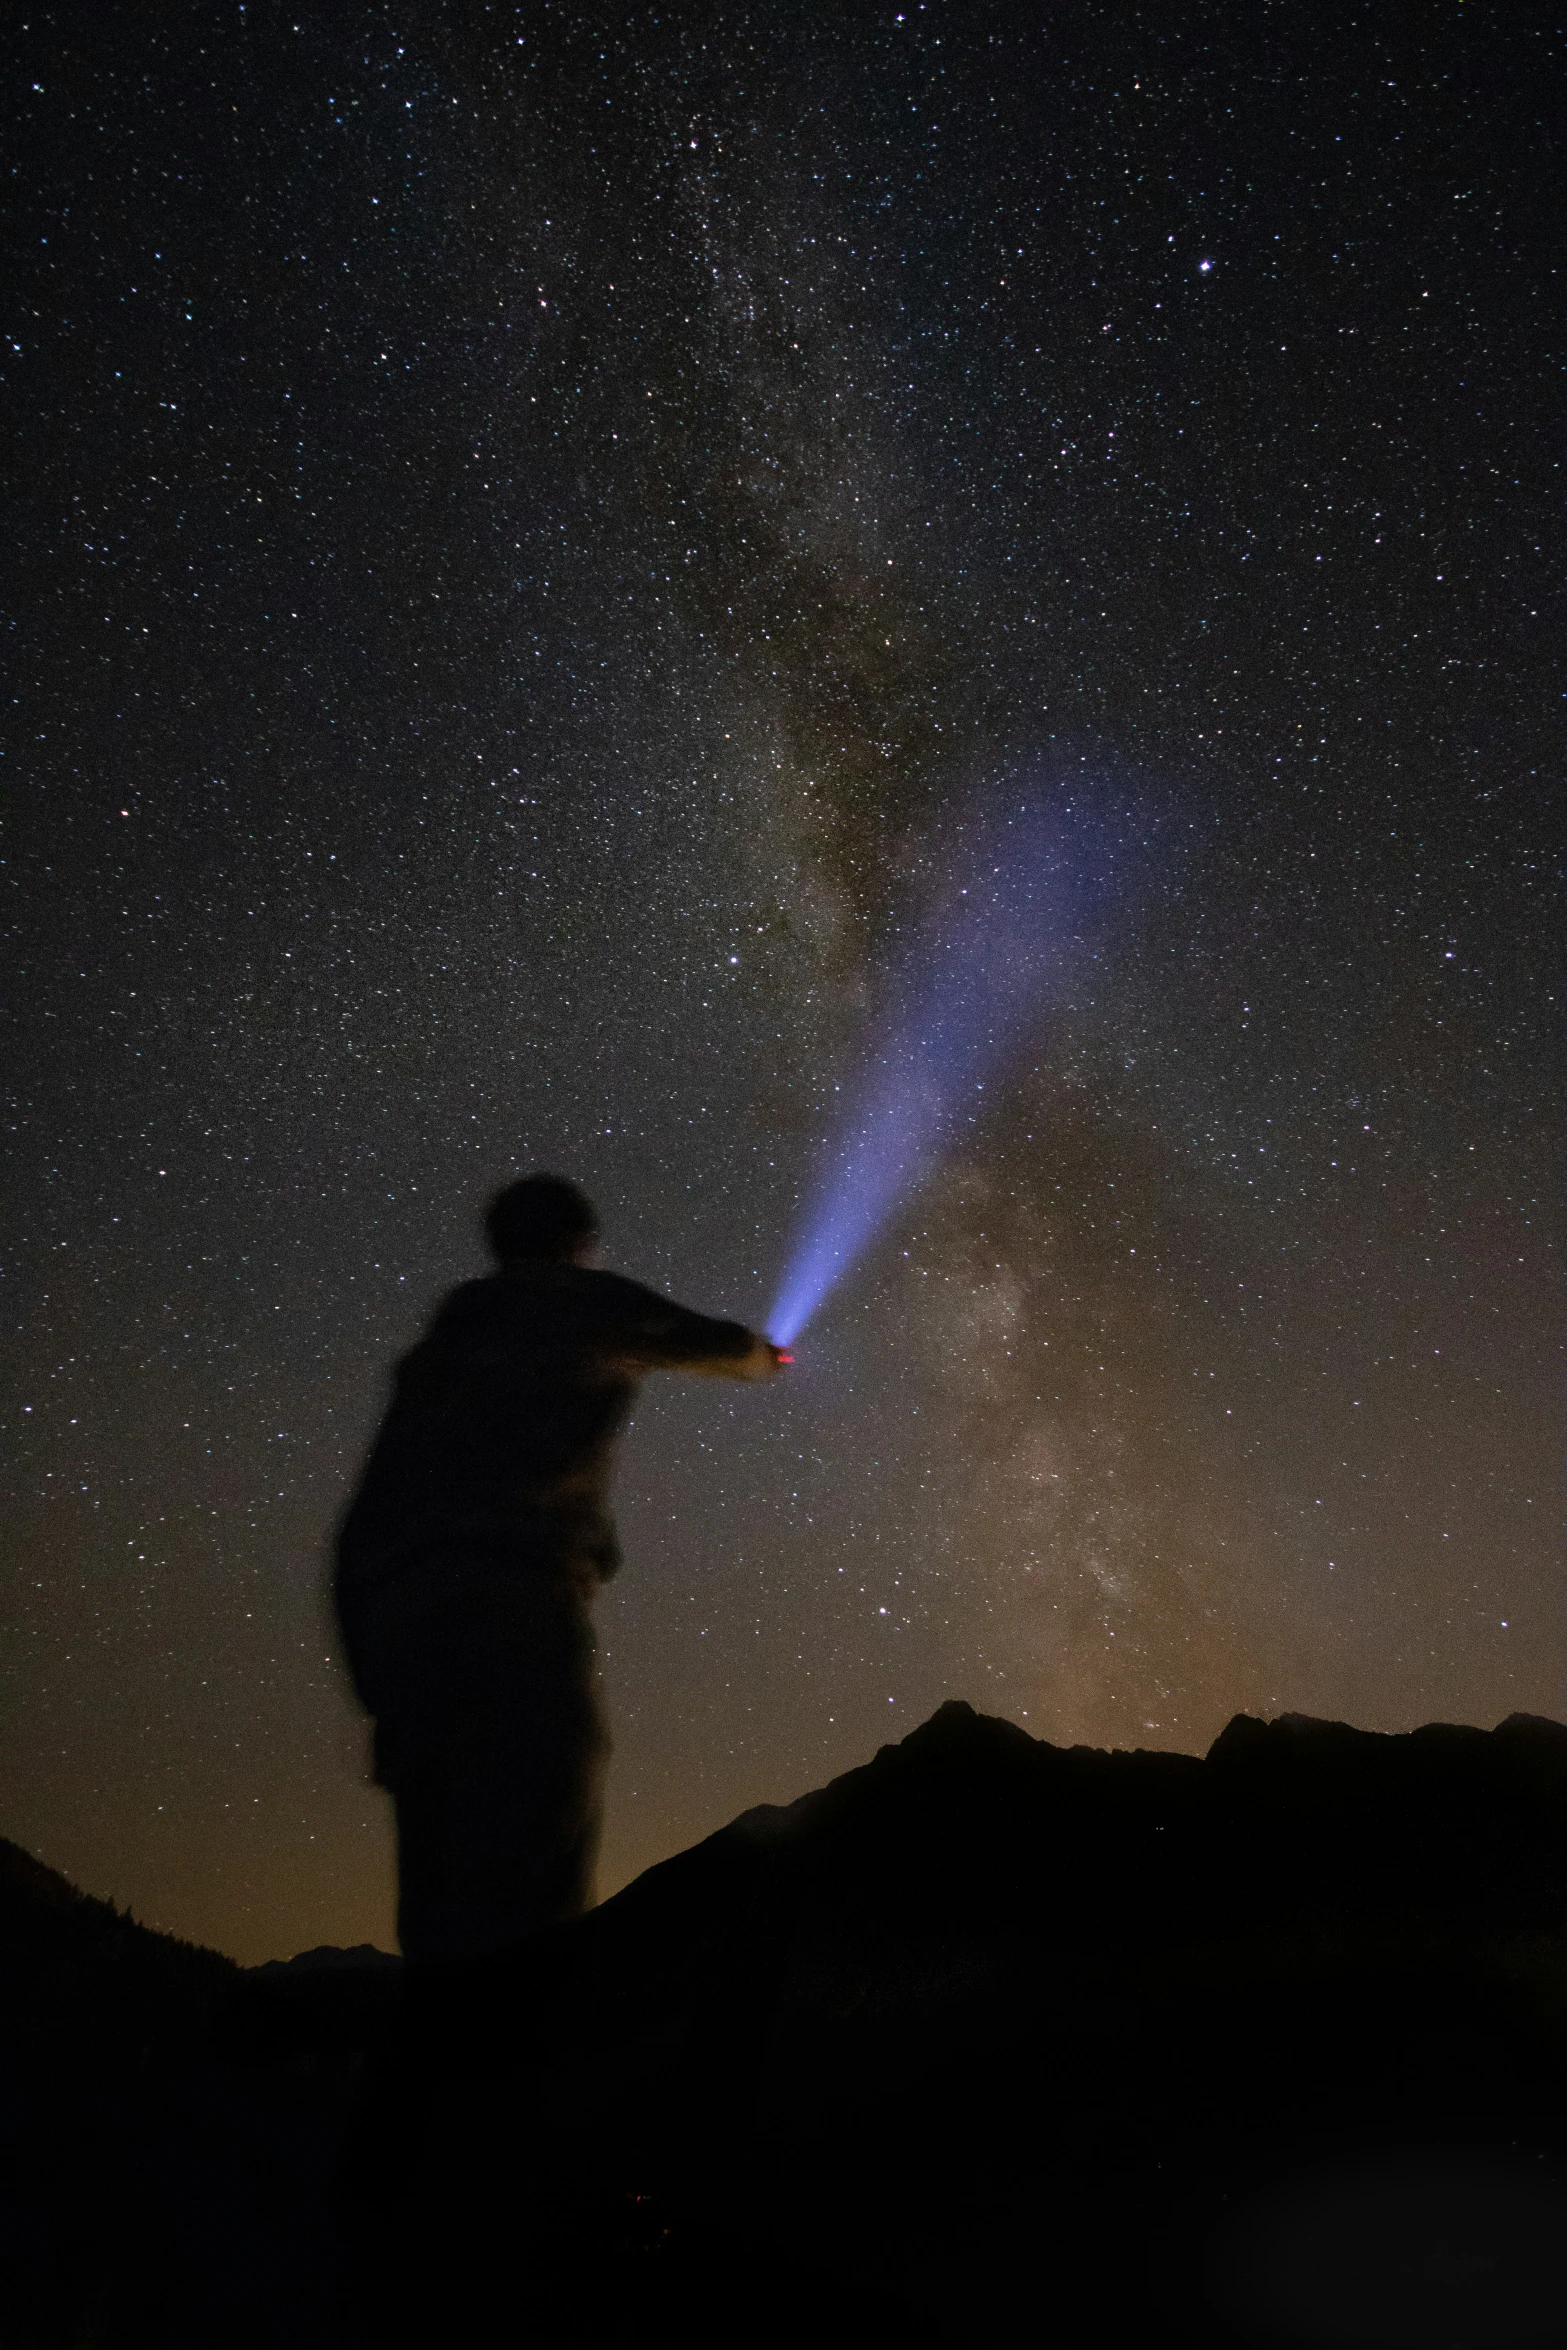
(992, 2042)
(326, 1958)
(328, 2002)
(104, 2030)
(173, 2134)
(988, 2042)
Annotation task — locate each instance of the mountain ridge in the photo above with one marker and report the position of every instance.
(980, 2010)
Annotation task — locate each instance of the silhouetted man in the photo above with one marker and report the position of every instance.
(469, 1556)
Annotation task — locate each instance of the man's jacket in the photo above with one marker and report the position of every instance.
(502, 1422)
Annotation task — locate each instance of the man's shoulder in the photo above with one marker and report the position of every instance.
(571, 1297)
(534, 1299)
(608, 1305)
(615, 1289)
(474, 1308)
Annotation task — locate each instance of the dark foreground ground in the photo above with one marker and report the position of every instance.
(988, 2043)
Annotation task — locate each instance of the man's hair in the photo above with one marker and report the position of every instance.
(540, 1216)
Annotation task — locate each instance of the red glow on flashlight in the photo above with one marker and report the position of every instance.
(784, 1356)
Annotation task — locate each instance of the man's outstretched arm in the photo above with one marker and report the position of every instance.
(658, 1335)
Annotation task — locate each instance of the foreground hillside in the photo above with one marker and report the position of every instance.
(987, 2042)
(174, 2125)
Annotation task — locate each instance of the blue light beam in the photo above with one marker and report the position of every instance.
(993, 955)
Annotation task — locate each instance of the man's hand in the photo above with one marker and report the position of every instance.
(761, 1360)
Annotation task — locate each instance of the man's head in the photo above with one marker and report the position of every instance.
(541, 1218)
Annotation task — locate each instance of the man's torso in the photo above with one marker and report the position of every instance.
(499, 1440)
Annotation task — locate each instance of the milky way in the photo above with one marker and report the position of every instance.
(533, 529)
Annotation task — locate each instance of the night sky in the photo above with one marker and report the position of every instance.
(536, 537)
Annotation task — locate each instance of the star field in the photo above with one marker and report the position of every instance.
(536, 533)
